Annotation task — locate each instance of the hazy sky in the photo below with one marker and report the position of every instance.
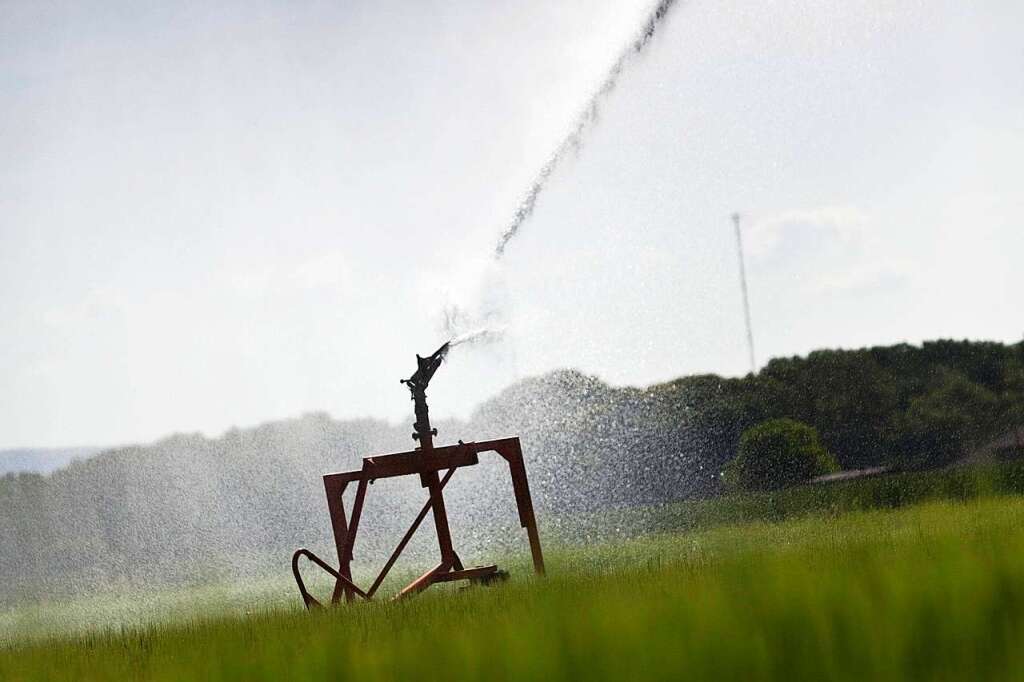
(215, 213)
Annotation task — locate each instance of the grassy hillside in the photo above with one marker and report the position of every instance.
(933, 591)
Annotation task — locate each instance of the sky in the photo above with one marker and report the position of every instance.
(218, 214)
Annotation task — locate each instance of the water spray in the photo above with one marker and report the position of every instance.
(584, 120)
(482, 335)
(455, 318)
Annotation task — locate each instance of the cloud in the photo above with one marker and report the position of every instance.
(843, 225)
(826, 250)
(864, 278)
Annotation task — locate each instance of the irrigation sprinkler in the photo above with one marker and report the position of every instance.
(427, 462)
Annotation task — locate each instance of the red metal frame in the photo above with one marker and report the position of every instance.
(427, 462)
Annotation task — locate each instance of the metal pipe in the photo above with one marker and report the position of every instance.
(408, 536)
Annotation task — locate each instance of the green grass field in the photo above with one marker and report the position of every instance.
(933, 591)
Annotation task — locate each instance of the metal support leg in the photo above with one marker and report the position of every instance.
(341, 586)
(513, 454)
(408, 536)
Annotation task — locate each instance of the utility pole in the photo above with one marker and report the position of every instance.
(743, 287)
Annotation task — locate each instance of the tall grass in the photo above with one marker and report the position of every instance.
(934, 591)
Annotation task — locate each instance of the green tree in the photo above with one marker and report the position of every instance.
(847, 396)
(778, 453)
(1011, 406)
(939, 426)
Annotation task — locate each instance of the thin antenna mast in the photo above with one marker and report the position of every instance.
(743, 287)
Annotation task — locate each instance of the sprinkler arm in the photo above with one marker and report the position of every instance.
(425, 369)
(417, 384)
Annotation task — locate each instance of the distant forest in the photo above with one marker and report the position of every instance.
(189, 508)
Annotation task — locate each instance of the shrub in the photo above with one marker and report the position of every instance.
(778, 453)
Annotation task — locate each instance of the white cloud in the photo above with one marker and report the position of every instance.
(827, 250)
(864, 278)
(846, 225)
